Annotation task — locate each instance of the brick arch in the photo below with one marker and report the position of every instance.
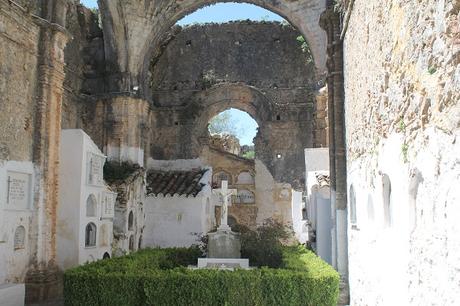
(135, 30)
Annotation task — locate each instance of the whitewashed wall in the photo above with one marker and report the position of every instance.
(14, 263)
(75, 190)
(172, 221)
(415, 259)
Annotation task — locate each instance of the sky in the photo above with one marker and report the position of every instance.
(245, 125)
(224, 12)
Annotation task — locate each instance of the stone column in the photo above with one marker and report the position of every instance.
(126, 125)
(42, 281)
(331, 23)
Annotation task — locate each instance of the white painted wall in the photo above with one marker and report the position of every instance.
(12, 294)
(15, 263)
(172, 221)
(135, 193)
(318, 203)
(175, 221)
(75, 190)
(298, 223)
(134, 155)
(415, 260)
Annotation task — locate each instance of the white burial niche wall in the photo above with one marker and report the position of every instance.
(86, 210)
(16, 214)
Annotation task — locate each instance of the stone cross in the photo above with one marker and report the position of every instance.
(225, 193)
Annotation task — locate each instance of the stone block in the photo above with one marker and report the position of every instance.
(224, 244)
(223, 263)
(12, 294)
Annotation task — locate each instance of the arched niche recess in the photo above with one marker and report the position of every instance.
(91, 206)
(245, 178)
(352, 198)
(222, 97)
(90, 235)
(130, 221)
(19, 238)
(386, 194)
(219, 176)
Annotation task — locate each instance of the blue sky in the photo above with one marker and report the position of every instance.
(220, 12)
(224, 12)
(242, 124)
(89, 3)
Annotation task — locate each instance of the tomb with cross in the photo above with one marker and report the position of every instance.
(225, 194)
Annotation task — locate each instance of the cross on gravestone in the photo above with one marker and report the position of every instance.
(225, 193)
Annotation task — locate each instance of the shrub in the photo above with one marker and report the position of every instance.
(264, 246)
(159, 277)
(115, 171)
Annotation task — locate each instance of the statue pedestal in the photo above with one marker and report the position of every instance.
(224, 244)
(223, 263)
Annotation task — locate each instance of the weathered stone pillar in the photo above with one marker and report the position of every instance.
(331, 23)
(42, 280)
(126, 127)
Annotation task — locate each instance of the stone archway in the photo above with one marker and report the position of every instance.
(135, 32)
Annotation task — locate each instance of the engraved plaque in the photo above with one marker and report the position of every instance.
(95, 169)
(18, 190)
(19, 237)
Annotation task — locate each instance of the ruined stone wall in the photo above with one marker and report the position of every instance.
(135, 30)
(263, 55)
(219, 160)
(84, 58)
(19, 38)
(19, 48)
(255, 67)
(402, 92)
(121, 126)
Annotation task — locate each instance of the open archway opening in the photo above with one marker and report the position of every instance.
(233, 131)
(201, 13)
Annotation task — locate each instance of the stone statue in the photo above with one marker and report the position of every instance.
(225, 193)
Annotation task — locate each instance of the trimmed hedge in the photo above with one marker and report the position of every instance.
(159, 277)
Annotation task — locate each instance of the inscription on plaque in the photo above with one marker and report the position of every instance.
(18, 188)
(19, 237)
(95, 174)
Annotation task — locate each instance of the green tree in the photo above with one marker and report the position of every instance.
(305, 48)
(223, 124)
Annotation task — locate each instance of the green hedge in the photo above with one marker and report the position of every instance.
(159, 277)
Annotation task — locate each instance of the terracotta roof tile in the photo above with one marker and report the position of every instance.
(175, 182)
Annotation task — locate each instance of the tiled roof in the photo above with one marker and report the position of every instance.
(175, 182)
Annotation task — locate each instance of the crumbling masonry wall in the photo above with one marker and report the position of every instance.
(256, 67)
(402, 93)
(84, 70)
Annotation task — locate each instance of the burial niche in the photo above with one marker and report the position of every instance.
(91, 206)
(131, 243)
(386, 188)
(353, 218)
(130, 221)
(90, 235)
(19, 238)
(245, 178)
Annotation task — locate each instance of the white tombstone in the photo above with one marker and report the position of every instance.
(225, 193)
